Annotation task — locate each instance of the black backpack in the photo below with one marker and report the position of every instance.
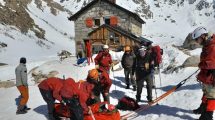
(127, 103)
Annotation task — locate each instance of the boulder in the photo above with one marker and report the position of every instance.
(7, 84)
(192, 61)
(189, 43)
(39, 76)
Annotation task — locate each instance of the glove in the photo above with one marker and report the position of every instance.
(97, 66)
(211, 72)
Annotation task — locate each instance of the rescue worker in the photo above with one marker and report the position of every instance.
(103, 60)
(128, 60)
(144, 70)
(105, 83)
(207, 72)
(93, 78)
(72, 96)
(50, 91)
(22, 86)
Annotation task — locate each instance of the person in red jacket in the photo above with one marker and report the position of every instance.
(105, 83)
(92, 78)
(207, 72)
(73, 98)
(103, 60)
(88, 48)
(50, 91)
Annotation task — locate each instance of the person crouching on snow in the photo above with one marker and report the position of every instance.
(92, 78)
(50, 91)
(76, 95)
(207, 72)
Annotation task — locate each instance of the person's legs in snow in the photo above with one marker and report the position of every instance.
(126, 72)
(24, 99)
(49, 99)
(75, 108)
(149, 85)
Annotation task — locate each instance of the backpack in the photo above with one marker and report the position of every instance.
(158, 54)
(127, 103)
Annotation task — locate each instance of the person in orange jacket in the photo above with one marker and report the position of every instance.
(50, 91)
(103, 60)
(22, 86)
(207, 72)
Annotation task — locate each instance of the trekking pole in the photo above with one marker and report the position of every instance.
(173, 89)
(114, 79)
(91, 113)
(159, 75)
(155, 88)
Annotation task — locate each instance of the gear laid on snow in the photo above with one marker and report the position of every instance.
(135, 113)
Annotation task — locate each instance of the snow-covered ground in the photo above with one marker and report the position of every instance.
(160, 29)
(177, 106)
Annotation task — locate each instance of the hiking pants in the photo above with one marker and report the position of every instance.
(75, 108)
(140, 78)
(24, 96)
(106, 97)
(49, 99)
(128, 72)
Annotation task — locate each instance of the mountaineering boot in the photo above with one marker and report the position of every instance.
(127, 87)
(201, 109)
(26, 108)
(137, 98)
(206, 115)
(149, 99)
(51, 116)
(134, 88)
(21, 110)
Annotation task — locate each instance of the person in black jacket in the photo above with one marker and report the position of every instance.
(128, 60)
(144, 67)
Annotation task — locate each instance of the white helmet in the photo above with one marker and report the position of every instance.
(105, 47)
(198, 32)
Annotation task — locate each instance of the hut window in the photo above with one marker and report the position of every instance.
(107, 20)
(97, 22)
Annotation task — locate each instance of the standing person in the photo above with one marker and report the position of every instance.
(105, 83)
(128, 60)
(144, 69)
(207, 72)
(103, 60)
(88, 49)
(22, 85)
(50, 91)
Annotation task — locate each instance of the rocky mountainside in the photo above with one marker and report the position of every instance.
(16, 13)
(45, 25)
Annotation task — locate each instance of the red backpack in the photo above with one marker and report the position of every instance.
(158, 54)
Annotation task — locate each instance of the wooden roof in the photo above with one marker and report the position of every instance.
(123, 32)
(76, 15)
